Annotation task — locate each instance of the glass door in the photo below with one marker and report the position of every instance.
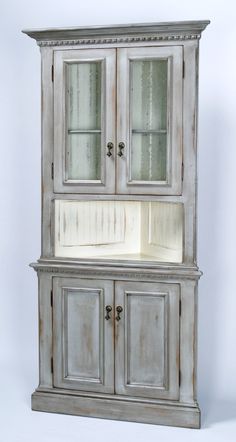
(84, 121)
(149, 120)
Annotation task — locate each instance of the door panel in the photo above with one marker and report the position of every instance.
(147, 340)
(84, 120)
(83, 347)
(149, 120)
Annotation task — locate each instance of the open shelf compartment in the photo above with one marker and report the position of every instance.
(126, 230)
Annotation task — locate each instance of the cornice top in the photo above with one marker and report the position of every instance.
(127, 33)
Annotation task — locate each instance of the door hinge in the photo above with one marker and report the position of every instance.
(182, 172)
(52, 73)
(51, 365)
(51, 298)
(183, 68)
(52, 171)
(180, 307)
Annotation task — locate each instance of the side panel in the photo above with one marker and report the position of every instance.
(47, 150)
(45, 329)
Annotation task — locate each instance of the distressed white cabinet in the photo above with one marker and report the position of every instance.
(118, 269)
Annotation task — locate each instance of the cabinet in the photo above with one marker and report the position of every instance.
(118, 273)
(112, 337)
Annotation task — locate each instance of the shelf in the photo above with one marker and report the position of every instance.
(84, 131)
(131, 257)
(148, 131)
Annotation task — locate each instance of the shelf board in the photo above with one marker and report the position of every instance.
(149, 131)
(84, 131)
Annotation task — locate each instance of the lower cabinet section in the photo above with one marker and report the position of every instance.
(116, 337)
(118, 348)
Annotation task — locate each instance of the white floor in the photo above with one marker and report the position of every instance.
(19, 424)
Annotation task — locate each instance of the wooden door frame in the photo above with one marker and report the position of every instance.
(173, 183)
(108, 59)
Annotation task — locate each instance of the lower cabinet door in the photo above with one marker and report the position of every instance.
(147, 339)
(83, 339)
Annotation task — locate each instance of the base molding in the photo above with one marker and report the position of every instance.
(117, 409)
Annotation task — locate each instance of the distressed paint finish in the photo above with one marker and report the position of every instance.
(172, 185)
(120, 409)
(188, 336)
(83, 348)
(63, 181)
(191, 52)
(118, 270)
(96, 229)
(45, 329)
(174, 266)
(147, 340)
(47, 152)
(124, 33)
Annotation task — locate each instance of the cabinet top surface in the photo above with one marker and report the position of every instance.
(181, 30)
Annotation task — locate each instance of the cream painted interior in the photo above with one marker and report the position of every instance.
(135, 230)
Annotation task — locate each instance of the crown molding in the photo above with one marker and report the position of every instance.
(145, 32)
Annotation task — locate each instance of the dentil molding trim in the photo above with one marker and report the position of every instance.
(144, 32)
(117, 40)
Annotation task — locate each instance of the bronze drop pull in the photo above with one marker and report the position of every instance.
(108, 310)
(121, 147)
(119, 309)
(109, 148)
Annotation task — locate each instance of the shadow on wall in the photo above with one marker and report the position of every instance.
(218, 411)
(214, 287)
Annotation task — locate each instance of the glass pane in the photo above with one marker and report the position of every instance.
(83, 107)
(84, 156)
(148, 120)
(148, 157)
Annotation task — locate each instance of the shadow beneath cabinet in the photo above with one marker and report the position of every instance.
(217, 411)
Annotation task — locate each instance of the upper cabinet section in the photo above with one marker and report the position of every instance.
(118, 137)
(120, 117)
(84, 121)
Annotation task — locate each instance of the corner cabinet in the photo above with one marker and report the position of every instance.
(117, 273)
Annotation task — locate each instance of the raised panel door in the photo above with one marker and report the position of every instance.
(83, 346)
(147, 339)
